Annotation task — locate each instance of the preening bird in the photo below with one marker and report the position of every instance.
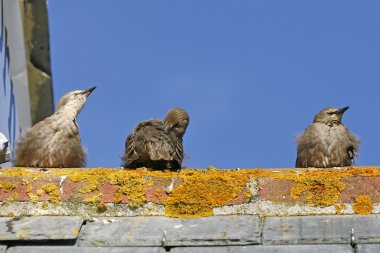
(54, 142)
(327, 142)
(157, 144)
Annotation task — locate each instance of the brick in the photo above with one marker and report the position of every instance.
(321, 229)
(357, 186)
(276, 190)
(65, 249)
(267, 249)
(217, 230)
(39, 228)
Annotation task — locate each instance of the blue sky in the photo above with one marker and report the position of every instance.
(251, 74)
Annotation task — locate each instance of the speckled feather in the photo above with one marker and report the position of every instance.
(326, 143)
(55, 142)
(157, 144)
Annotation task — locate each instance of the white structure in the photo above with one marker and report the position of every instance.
(15, 87)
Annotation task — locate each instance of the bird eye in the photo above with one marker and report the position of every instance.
(331, 113)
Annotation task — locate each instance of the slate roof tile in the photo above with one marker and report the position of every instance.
(267, 249)
(39, 228)
(322, 229)
(63, 249)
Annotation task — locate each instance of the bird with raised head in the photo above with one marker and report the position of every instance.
(157, 144)
(55, 142)
(327, 142)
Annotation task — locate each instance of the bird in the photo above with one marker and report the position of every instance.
(157, 144)
(327, 142)
(55, 142)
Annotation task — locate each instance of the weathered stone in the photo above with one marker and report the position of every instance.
(39, 228)
(3, 248)
(367, 248)
(121, 232)
(217, 230)
(64, 249)
(356, 186)
(268, 249)
(321, 229)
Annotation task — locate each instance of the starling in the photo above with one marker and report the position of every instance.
(157, 144)
(54, 142)
(327, 142)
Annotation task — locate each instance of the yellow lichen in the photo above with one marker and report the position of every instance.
(76, 232)
(157, 192)
(101, 207)
(45, 205)
(196, 192)
(12, 198)
(53, 192)
(7, 186)
(94, 198)
(339, 207)
(363, 204)
(33, 197)
(15, 172)
(131, 183)
(134, 187)
(94, 177)
(118, 197)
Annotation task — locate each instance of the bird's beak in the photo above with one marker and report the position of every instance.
(88, 91)
(342, 110)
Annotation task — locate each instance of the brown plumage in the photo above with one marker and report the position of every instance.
(327, 142)
(157, 144)
(54, 142)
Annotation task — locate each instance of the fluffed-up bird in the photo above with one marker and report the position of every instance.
(327, 142)
(54, 142)
(157, 144)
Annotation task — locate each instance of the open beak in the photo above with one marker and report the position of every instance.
(342, 110)
(88, 91)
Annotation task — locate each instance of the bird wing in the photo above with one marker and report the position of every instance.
(53, 142)
(352, 149)
(159, 144)
(307, 145)
(178, 151)
(149, 142)
(130, 150)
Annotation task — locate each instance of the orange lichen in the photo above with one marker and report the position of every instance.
(322, 188)
(363, 204)
(53, 192)
(201, 191)
(195, 192)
